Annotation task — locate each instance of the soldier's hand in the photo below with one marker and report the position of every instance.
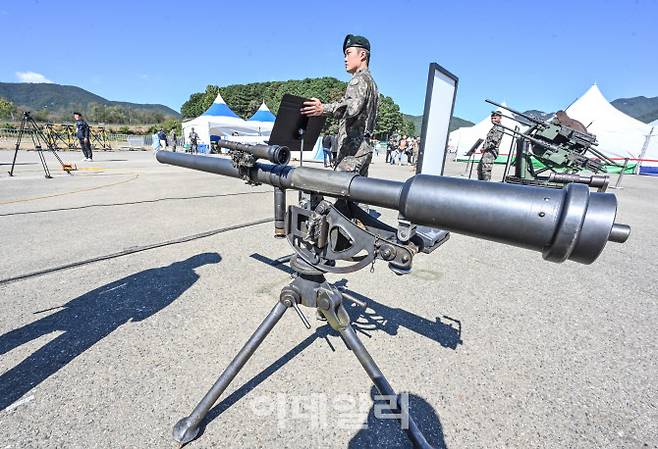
(312, 108)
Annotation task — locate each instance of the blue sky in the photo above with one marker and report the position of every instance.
(539, 55)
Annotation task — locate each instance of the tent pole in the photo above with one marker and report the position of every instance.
(643, 153)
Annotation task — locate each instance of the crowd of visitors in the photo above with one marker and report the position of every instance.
(402, 150)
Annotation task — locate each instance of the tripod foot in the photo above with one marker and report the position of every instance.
(184, 432)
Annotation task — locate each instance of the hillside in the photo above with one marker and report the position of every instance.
(58, 101)
(642, 108)
(455, 123)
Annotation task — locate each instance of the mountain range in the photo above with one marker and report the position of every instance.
(645, 109)
(61, 100)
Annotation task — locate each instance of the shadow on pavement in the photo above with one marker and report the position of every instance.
(387, 434)
(89, 318)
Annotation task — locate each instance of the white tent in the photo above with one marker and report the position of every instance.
(462, 139)
(218, 120)
(619, 135)
(263, 119)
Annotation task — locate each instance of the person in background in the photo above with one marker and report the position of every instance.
(172, 139)
(356, 111)
(334, 148)
(155, 142)
(326, 151)
(84, 136)
(390, 147)
(412, 150)
(162, 137)
(402, 149)
(490, 148)
(194, 141)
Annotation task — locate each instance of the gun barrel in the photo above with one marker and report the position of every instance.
(570, 223)
(274, 153)
(528, 117)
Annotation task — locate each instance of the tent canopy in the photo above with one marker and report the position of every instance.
(263, 114)
(219, 120)
(619, 135)
(263, 119)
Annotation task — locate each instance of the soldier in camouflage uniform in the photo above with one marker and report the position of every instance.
(490, 148)
(356, 111)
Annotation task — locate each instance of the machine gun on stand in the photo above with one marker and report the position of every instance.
(340, 237)
(563, 151)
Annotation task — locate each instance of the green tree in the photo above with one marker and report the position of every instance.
(244, 100)
(7, 109)
(389, 118)
(408, 128)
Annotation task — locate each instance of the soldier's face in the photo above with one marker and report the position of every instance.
(353, 59)
(495, 119)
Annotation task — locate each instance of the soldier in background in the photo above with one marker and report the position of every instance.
(490, 148)
(356, 111)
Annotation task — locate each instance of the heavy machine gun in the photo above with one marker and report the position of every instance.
(340, 237)
(562, 145)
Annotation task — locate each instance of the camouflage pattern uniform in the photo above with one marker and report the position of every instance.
(489, 152)
(356, 113)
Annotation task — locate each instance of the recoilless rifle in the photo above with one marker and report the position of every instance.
(340, 237)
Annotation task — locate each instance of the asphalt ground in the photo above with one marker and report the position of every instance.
(495, 347)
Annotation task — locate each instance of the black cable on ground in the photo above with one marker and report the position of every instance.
(135, 249)
(62, 209)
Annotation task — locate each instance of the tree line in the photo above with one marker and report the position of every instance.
(245, 99)
(93, 112)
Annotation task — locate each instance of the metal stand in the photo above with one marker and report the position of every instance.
(617, 185)
(37, 138)
(310, 289)
(322, 235)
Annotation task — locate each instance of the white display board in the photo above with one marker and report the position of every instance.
(439, 105)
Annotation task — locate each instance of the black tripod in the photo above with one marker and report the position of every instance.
(323, 234)
(37, 139)
(311, 289)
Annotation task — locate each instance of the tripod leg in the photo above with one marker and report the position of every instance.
(187, 428)
(331, 306)
(378, 378)
(13, 162)
(18, 145)
(43, 162)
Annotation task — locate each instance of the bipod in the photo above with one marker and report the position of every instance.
(310, 289)
(37, 138)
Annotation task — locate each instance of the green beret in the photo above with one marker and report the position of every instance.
(352, 40)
